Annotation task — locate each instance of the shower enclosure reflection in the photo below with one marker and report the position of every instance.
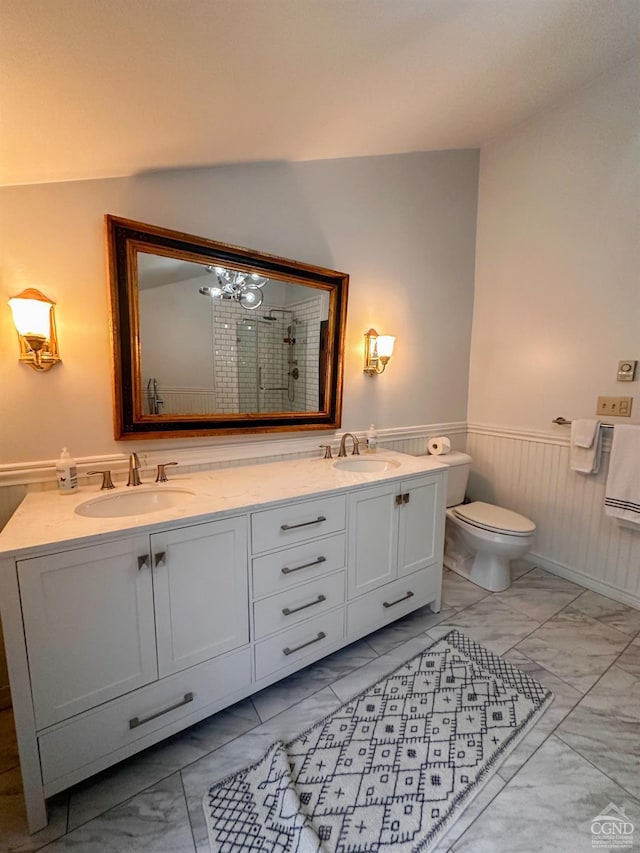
(272, 364)
(226, 359)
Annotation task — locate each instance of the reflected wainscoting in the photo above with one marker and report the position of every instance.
(530, 474)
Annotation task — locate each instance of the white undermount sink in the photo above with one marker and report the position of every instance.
(134, 502)
(365, 465)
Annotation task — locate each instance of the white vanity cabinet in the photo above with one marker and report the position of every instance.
(200, 587)
(116, 643)
(298, 588)
(89, 626)
(396, 533)
(110, 629)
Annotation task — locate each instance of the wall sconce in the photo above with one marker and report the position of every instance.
(378, 349)
(34, 319)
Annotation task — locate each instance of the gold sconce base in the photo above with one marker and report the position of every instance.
(374, 364)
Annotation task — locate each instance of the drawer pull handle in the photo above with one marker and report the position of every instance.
(287, 571)
(143, 562)
(136, 721)
(321, 636)
(286, 611)
(160, 557)
(303, 524)
(406, 498)
(397, 601)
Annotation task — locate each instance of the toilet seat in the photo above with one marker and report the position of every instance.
(494, 518)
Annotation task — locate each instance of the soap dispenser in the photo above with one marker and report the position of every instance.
(66, 473)
(372, 439)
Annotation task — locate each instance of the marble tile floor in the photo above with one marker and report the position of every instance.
(583, 755)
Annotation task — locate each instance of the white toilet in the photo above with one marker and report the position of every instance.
(481, 539)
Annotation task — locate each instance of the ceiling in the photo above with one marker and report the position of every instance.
(103, 88)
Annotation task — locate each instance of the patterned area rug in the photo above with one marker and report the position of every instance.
(389, 771)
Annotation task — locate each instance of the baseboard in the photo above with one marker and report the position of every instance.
(583, 579)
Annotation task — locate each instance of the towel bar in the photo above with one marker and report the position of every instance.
(564, 422)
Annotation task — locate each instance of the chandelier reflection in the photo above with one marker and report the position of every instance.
(242, 287)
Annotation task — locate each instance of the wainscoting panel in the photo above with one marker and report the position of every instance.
(575, 539)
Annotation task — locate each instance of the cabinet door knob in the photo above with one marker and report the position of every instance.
(398, 500)
(143, 562)
(159, 558)
(406, 498)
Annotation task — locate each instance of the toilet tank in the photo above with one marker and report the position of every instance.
(458, 474)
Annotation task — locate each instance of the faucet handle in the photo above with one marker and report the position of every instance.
(327, 451)
(107, 482)
(356, 446)
(161, 476)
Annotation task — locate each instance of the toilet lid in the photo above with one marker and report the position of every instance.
(494, 518)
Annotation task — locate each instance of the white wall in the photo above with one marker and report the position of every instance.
(557, 304)
(557, 301)
(402, 226)
(186, 332)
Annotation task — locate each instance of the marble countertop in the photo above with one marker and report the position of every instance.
(48, 519)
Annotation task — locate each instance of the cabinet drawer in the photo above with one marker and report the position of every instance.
(305, 640)
(389, 602)
(87, 738)
(298, 604)
(297, 522)
(279, 571)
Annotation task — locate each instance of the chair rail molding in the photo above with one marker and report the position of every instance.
(220, 454)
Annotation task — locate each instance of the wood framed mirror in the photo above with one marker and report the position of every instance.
(209, 338)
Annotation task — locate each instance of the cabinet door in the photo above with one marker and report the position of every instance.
(373, 537)
(421, 524)
(88, 618)
(201, 592)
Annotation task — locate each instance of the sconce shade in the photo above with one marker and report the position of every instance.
(34, 319)
(384, 346)
(378, 349)
(31, 314)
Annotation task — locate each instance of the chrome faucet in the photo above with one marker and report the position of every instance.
(343, 450)
(134, 471)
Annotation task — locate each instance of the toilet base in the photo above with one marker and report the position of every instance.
(485, 569)
(488, 571)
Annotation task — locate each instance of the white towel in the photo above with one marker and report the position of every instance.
(622, 495)
(586, 443)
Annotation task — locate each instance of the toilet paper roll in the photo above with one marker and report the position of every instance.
(438, 446)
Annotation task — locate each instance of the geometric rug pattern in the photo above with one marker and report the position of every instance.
(388, 771)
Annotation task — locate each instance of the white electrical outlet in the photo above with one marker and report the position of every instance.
(614, 407)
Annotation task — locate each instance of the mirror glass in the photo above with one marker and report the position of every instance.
(211, 338)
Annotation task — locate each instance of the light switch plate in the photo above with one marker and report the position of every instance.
(614, 407)
(627, 370)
